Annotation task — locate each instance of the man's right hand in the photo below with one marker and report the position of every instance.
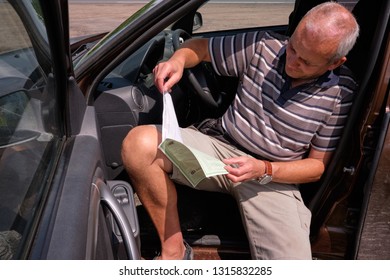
(167, 74)
(190, 53)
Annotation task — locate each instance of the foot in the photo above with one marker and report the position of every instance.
(188, 253)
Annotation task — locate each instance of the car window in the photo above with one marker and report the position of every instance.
(29, 129)
(220, 15)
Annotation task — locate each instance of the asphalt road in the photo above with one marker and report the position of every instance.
(211, 1)
(86, 18)
(92, 18)
(95, 16)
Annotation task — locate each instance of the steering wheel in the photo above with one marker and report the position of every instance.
(201, 78)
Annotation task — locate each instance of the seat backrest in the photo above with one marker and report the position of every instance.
(373, 21)
(359, 57)
(364, 11)
(361, 61)
(301, 7)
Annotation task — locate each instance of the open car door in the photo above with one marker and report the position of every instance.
(55, 201)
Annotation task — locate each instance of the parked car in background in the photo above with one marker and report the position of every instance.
(66, 107)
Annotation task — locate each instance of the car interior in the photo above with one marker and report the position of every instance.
(126, 97)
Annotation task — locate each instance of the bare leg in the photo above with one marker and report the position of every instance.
(148, 167)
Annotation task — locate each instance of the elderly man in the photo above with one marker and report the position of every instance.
(292, 101)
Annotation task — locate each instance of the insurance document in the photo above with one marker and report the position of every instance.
(194, 164)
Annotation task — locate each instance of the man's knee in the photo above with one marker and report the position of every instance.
(140, 142)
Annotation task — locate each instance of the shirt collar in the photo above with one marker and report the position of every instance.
(327, 80)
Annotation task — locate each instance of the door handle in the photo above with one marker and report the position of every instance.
(129, 240)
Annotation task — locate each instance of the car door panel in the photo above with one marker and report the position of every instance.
(79, 227)
(70, 226)
(372, 238)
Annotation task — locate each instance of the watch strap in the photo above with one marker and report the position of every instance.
(268, 168)
(267, 176)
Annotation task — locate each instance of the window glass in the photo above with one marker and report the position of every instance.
(219, 15)
(224, 15)
(29, 130)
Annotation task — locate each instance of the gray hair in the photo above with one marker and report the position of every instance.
(339, 22)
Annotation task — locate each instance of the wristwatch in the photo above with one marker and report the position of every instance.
(267, 176)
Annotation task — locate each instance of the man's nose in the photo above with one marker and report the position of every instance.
(293, 60)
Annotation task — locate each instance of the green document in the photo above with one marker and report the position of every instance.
(194, 165)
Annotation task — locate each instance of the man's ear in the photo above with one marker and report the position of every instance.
(337, 63)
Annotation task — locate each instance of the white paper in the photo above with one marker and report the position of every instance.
(170, 126)
(194, 165)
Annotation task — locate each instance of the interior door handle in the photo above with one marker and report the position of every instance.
(124, 225)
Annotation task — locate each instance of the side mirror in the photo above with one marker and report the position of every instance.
(198, 21)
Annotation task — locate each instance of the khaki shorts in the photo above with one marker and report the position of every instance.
(275, 218)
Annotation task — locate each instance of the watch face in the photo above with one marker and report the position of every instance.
(265, 180)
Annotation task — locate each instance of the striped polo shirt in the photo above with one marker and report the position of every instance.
(267, 116)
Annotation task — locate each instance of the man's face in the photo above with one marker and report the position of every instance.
(308, 57)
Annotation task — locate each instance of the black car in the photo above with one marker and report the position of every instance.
(67, 104)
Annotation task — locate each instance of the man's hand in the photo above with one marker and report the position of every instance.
(243, 168)
(167, 74)
(190, 54)
(305, 170)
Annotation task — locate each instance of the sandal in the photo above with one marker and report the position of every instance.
(188, 254)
